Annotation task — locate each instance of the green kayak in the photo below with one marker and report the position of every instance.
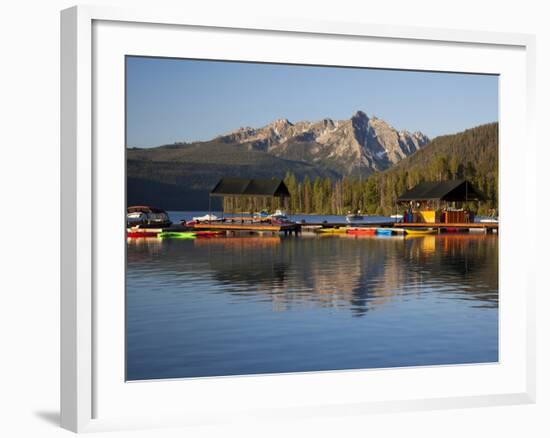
(177, 235)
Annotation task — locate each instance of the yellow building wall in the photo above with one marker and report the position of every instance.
(427, 216)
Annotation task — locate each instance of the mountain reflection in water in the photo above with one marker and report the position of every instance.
(258, 304)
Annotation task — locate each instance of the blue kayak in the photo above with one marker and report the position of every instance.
(384, 231)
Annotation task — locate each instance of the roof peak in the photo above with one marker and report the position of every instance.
(448, 190)
(250, 187)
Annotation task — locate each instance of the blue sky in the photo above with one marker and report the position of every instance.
(170, 100)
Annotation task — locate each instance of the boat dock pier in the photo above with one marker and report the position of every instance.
(347, 224)
(487, 227)
(250, 226)
(296, 228)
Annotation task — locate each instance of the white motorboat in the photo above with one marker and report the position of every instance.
(206, 218)
(279, 215)
(261, 214)
(147, 217)
(490, 220)
(136, 218)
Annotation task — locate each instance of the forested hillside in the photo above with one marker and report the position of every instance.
(180, 176)
(472, 154)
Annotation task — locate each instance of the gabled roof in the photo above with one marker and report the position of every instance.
(250, 187)
(144, 209)
(452, 190)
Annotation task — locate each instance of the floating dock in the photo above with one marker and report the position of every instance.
(488, 227)
(348, 224)
(244, 226)
(296, 228)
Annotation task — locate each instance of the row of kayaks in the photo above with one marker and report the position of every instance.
(173, 234)
(359, 231)
(356, 231)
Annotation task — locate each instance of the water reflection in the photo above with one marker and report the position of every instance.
(416, 296)
(359, 273)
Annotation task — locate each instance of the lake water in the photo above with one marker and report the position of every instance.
(252, 304)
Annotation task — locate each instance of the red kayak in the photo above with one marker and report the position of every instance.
(362, 231)
(136, 234)
(208, 233)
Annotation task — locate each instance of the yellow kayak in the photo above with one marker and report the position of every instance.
(332, 230)
(419, 232)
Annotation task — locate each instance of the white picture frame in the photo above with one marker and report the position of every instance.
(86, 376)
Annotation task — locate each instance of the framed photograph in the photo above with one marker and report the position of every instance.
(266, 218)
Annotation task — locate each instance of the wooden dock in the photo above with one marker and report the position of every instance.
(296, 228)
(488, 227)
(347, 224)
(248, 226)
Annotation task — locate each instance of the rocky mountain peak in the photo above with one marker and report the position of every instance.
(419, 135)
(356, 145)
(360, 116)
(279, 123)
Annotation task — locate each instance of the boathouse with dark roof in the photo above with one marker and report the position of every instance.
(451, 191)
(251, 188)
(275, 188)
(440, 201)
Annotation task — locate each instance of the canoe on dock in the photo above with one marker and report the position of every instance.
(176, 235)
(139, 234)
(332, 230)
(419, 231)
(362, 231)
(249, 226)
(209, 233)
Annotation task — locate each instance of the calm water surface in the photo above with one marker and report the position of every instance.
(248, 304)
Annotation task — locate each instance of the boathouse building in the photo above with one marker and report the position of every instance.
(440, 201)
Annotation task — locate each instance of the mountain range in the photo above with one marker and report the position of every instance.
(180, 175)
(356, 145)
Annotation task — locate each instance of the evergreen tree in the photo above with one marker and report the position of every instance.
(472, 155)
(307, 196)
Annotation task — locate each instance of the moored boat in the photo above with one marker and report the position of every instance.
(279, 215)
(262, 216)
(138, 233)
(209, 233)
(489, 220)
(331, 230)
(146, 216)
(384, 231)
(419, 231)
(206, 218)
(177, 235)
(362, 231)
